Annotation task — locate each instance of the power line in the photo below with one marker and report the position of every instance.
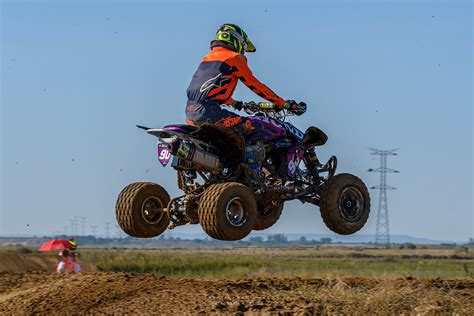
(83, 224)
(119, 231)
(107, 229)
(382, 233)
(73, 223)
(93, 230)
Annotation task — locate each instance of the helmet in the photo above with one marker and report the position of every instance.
(73, 243)
(235, 37)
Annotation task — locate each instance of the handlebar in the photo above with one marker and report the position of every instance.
(269, 109)
(254, 107)
(260, 107)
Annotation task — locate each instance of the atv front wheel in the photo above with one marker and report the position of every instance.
(140, 209)
(267, 216)
(227, 211)
(344, 204)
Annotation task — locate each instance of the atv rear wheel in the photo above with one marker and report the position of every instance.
(140, 209)
(344, 204)
(227, 211)
(267, 216)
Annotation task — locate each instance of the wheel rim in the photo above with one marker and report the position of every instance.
(235, 212)
(152, 210)
(351, 204)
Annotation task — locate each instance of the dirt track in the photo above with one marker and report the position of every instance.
(101, 292)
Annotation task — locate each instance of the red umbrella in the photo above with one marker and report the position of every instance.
(55, 245)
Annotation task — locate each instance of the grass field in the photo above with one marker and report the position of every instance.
(325, 261)
(281, 262)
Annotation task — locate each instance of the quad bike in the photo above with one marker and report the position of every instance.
(226, 196)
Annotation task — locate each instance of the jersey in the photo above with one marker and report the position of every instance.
(216, 78)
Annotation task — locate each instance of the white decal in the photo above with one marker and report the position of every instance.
(214, 82)
(299, 134)
(165, 154)
(270, 121)
(292, 167)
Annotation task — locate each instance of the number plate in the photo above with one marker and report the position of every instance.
(164, 155)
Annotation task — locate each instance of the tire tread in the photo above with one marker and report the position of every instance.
(329, 215)
(124, 210)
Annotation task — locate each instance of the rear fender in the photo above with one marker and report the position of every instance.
(167, 137)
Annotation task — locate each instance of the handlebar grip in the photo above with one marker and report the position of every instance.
(266, 105)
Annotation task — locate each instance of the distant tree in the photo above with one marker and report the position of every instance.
(325, 240)
(302, 239)
(410, 245)
(277, 239)
(256, 240)
(314, 242)
(448, 244)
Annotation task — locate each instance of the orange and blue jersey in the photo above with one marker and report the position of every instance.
(215, 79)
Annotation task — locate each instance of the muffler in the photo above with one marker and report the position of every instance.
(187, 151)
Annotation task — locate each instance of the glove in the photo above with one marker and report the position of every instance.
(296, 108)
(237, 105)
(301, 109)
(251, 107)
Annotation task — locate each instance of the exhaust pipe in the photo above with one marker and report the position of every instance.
(189, 152)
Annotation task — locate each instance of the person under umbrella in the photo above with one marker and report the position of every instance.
(67, 258)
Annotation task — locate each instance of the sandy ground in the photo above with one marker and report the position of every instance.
(132, 293)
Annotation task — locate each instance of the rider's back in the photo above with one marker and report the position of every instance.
(215, 79)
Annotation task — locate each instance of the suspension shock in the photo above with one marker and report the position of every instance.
(312, 162)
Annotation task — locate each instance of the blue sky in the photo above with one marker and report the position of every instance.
(77, 76)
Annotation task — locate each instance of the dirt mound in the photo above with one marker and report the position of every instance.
(131, 293)
(14, 262)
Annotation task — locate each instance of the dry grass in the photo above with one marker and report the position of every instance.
(388, 297)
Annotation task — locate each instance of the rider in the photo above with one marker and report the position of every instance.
(214, 82)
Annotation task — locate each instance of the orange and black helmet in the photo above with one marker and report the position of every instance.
(234, 37)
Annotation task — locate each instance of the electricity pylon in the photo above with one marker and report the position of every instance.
(382, 233)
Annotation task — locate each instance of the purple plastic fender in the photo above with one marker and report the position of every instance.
(271, 127)
(294, 158)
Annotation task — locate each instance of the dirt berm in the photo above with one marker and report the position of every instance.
(129, 293)
(14, 262)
